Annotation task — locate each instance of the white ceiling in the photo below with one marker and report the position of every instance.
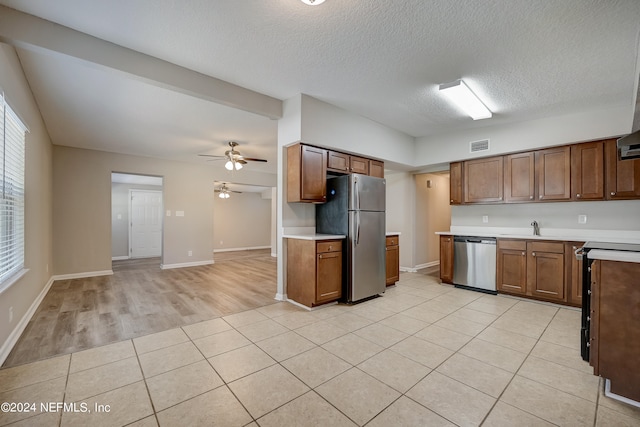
(526, 58)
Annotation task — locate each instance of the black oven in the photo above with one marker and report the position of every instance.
(583, 254)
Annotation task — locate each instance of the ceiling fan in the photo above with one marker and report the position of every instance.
(224, 191)
(234, 159)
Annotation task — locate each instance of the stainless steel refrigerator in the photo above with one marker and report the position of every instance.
(355, 207)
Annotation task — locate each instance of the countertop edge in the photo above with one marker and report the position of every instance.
(563, 238)
(608, 255)
(314, 236)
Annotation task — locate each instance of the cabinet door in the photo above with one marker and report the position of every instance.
(393, 264)
(455, 183)
(519, 177)
(587, 171)
(328, 276)
(359, 165)
(545, 274)
(376, 168)
(484, 180)
(446, 259)
(573, 274)
(623, 176)
(338, 162)
(553, 171)
(512, 271)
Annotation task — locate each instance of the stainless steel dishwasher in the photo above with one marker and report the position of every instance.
(474, 263)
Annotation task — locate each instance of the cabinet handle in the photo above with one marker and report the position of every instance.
(540, 196)
(330, 248)
(613, 193)
(530, 197)
(533, 254)
(524, 253)
(499, 198)
(574, 248)
(319, 256)
(451, 201)
(578, 196)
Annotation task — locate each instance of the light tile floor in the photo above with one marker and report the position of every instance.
(424, 354)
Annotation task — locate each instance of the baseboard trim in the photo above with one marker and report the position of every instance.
(409, 269)
(119, 258)
(82, 275)
(427, 265)
(280, 297)
(241, 249)
(185, 264)
(273, 255)
(21, 326)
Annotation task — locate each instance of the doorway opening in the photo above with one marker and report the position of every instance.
(136, 218)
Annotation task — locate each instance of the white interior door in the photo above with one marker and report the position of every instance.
(146, 224)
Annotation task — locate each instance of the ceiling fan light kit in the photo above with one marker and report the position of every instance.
(312, 2)
(234, 159)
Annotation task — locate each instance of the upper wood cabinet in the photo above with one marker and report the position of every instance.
(553, 171)
(519, 177)
(587, 171)
(338, 162)
(359, 165)
(376, 168)
(306, 174)
(623, 176)
(455, 183)
(484, 180)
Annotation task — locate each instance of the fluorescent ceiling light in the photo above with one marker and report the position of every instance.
(312, 2)
(460, 94)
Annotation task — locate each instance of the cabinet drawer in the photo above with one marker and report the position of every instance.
(329, 246)
(553, 247)
(516, 245)
(392, 240)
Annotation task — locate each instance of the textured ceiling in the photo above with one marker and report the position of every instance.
(526, 58)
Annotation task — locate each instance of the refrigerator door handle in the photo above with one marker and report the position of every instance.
(357, 227)
(357, 191)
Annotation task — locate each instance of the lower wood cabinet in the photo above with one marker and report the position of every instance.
(614, 333)
(536, 268)
(545, 270)
(573, 269)
(446, 259)
(314, 271)
(393, 259)
(511, 274)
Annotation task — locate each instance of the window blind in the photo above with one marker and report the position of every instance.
(12, 132)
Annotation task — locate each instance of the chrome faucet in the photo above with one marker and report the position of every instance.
(536, 228)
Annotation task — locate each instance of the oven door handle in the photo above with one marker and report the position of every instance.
(579, 253)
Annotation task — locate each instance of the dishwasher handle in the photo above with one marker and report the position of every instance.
(478, 240)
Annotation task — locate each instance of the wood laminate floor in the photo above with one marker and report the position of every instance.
(140, 299)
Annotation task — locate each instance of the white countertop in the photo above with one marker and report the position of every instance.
(393, 233)
(624, 256)
(575, 235)
(314, 236)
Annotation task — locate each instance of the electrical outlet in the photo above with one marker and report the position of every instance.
(190, 253)
(582, 219)
(485, 218)
(10, 314)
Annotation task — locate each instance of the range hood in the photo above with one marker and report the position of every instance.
(629, 146)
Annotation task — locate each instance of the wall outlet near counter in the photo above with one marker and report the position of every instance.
(485, 219)
(582, 219)
(190, 253)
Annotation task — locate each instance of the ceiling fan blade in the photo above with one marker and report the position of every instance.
(234, 191)
(252, 159)
(211, 155)
(241, 161)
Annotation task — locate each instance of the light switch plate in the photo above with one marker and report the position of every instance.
(485, 218)
(168, 213)
(582, 219)
(179, 213)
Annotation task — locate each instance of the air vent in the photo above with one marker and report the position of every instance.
(476, 146)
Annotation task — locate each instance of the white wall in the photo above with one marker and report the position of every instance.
(38, 204)
(401, 214)
(242, 221)
(522, 136)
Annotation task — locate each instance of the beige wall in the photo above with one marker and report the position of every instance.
(241, 221)
(38, 198)
(82, 211)
(433, 213)
(401, 214)
(120, 206)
